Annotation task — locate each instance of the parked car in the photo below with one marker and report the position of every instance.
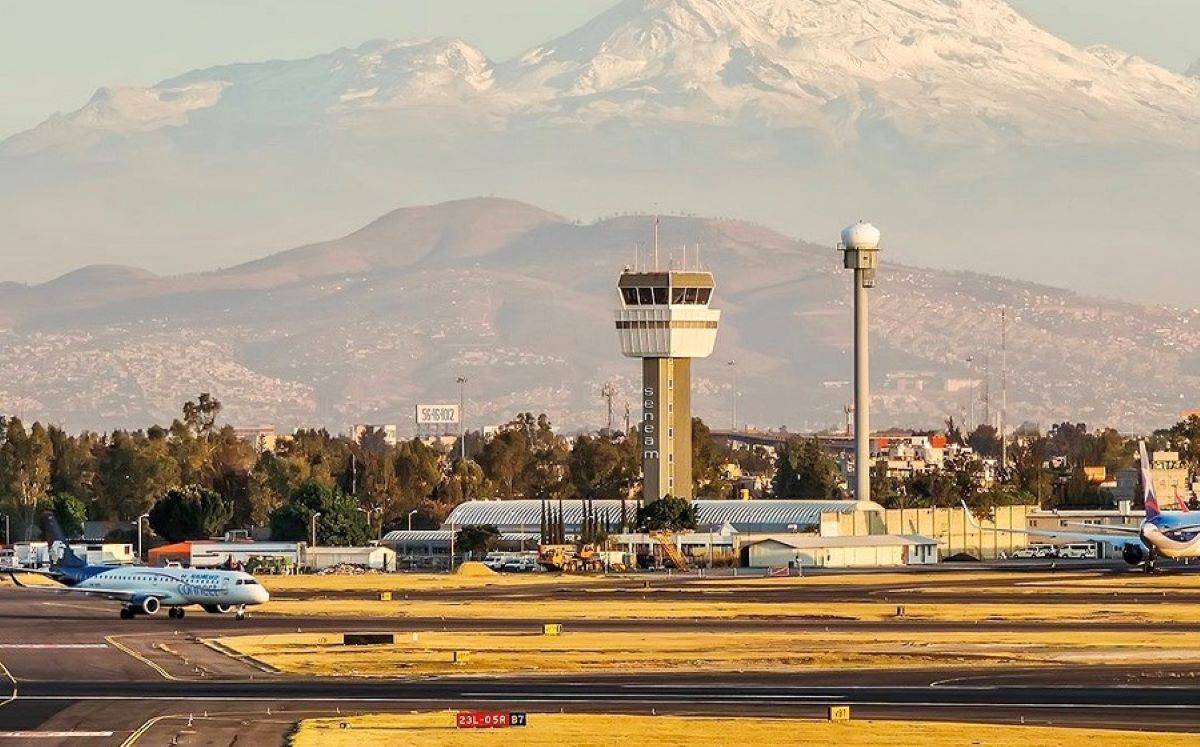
(1036, 551)
(1081, 551)
(521, 565)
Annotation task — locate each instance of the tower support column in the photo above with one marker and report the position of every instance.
(666, 433)
(862, 392)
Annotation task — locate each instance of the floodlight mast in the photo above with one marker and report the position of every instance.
(860, 246)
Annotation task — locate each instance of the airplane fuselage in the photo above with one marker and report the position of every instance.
(1161, 535)
(173, 587)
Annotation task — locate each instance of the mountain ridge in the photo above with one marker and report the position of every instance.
(941, 120)
(529, 322)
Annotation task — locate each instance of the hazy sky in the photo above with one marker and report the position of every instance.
(55, 53)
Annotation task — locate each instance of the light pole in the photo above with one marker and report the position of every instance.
(453, 533)
(462, 418)
(733, 397)
(860, 245)
(314, 528)
(139, 532)
(378, 511)
(7, 531)
(410, 515)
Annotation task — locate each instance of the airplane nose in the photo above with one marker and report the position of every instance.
(261, 596)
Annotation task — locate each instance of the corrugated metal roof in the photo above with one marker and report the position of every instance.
(443, 535)
(745, 516)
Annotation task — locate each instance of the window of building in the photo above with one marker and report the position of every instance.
(645, 297)
(660, 296)
(689, 295)
(630, 295)
(677, 295)
(705, 295)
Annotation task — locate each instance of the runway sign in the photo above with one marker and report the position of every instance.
(489, 720)
(839, 713)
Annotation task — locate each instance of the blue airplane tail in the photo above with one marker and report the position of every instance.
(54, 533)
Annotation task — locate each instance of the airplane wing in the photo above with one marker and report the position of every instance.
(1117, 537)
(120, 595)
(1117, 529)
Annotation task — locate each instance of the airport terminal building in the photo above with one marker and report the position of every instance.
(844, 533)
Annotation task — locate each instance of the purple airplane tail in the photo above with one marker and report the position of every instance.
(1148, 496)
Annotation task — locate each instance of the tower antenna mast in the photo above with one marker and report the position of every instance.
(608, 391)
(1003, 386)
(656, 242)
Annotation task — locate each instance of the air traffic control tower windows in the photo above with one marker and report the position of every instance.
(658, 296)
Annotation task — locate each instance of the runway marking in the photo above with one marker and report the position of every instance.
(53, 734)
(141, 730)
(116, 644)
(13, 695)
(550, 698)
(53, 645)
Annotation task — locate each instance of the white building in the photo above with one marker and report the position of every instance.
(814, 551)
(319, 558)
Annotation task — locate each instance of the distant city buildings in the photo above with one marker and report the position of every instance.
(261, 437)
(389, 431)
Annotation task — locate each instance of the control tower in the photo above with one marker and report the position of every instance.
(665, 320)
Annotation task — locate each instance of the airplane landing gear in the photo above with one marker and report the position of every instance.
(176, 612)
(241, 612)
(126, 613)
(1151, 562)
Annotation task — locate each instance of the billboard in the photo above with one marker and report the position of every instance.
(437, 414)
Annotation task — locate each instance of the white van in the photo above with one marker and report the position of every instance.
(1081, 551)
(1036, 551)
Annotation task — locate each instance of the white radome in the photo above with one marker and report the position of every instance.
(861, 236)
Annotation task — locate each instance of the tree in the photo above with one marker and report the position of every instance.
(985, 441)
(272, 479)
(201, 416)
(341, 523)
(74, 463)
(708, 459)
(25, 467)
(133, 470)
(190, 512)
(667, 513)
(803, 470)
(599, 468)
(477, 539)
(70, 512)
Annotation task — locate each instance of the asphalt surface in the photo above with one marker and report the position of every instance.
(78, 670)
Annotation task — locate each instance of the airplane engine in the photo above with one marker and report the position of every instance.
(217, 609)
(1133, 554)
(147, 604)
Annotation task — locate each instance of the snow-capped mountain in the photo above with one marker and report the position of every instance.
(940, 118)
(964, 69)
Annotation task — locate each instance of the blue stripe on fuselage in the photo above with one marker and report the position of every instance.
(75, 576)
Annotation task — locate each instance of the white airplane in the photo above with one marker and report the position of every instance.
(144, 590)
(1169, 534)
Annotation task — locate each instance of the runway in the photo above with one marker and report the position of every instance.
(76, 669)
